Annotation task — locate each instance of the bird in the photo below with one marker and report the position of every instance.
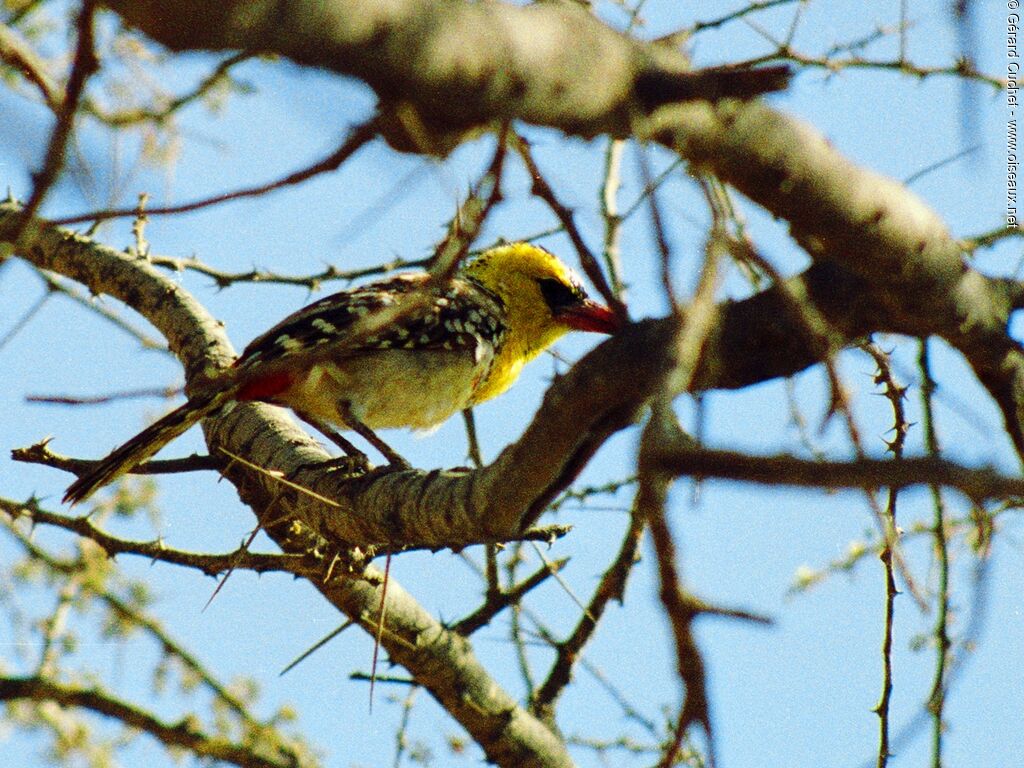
(406, 351)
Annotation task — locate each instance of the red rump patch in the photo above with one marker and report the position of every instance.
(265, 387)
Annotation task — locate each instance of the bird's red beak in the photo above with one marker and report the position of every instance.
(590, 316)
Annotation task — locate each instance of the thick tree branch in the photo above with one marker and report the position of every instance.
(442, 67)
(752, 340)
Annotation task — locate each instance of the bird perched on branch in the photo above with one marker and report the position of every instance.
(404, 352)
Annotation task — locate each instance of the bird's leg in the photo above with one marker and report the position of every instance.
(389, 453)
(353, 458)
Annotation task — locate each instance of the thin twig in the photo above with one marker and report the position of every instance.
(83, 65)
(990, 238)
(65, 288)
(515, 626)
(496, 603)
(895, 394)
(130, 394)
(961, 69)
(25, 319)
(611, 587)
(312, 281)
(358, 137)
(658, 228)
(402, 734)
(156, 550)
(679, 608)
(316, 646)
(137, 115)
(76, 567)
(15, 51)
(40, 453)
(937, 698)
(749, 8)
(612, 182)
(185, 734)
(470, 216)
(543, 190)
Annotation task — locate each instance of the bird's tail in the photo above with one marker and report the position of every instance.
(146, 443)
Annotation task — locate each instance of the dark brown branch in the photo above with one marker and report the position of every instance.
(611, 587)
(910, 270)
(499, 601)
(752, 340)
(780, 469)
(211, 565)
(681, 608)
(185, 733)
(872, 227)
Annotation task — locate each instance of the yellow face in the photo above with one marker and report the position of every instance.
(543, 301)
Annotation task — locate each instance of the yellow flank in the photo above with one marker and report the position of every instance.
(512, 273)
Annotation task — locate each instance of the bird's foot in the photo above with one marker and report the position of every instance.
(351, 466)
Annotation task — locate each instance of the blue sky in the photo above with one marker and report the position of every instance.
(797, 694)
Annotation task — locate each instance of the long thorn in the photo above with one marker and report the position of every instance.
(380, 627)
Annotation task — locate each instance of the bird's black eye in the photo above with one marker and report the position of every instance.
(559, 295)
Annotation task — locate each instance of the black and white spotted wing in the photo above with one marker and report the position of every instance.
(463, 317)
